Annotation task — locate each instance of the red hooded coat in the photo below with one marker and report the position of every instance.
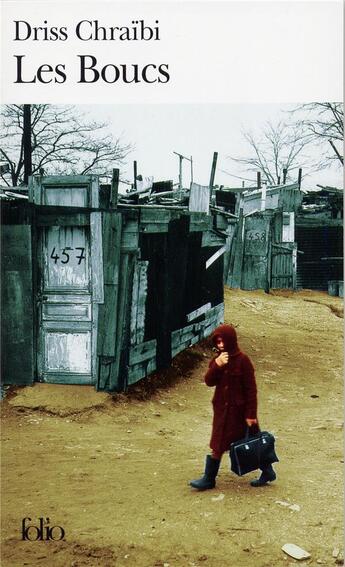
(235, 396)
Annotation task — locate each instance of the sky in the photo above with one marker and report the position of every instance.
(197, 130)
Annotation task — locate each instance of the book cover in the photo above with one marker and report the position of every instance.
(166, 167)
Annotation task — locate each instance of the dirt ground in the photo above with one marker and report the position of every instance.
(113, 471)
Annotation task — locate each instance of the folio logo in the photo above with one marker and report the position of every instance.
(41, 532)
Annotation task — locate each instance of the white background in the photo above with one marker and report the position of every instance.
(247, 51)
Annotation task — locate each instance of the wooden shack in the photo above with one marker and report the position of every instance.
(319, 235)
(261, 246)
(103, 293)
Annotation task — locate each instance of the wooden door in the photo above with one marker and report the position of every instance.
(65, 306)
(255, 270)
(284, 265)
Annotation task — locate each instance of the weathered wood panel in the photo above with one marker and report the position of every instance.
(17, 305)
(255, 273)
(236, 258)
(66, 258)
(155, 220)
(199, 198)
(138, 308)
(127, 261)
(199, 222)
(108, 311)
(96, 254)
(283, 266)
(211, 238)
(141, 370)
(56, 219)
(197, 312)
(142, 352)
(130, 235)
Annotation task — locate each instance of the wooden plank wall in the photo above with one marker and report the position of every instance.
(283, 274)
(17, 305)
(108, 311)
(256, 274)
(199, 198)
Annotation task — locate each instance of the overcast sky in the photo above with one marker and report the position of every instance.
(196, 130)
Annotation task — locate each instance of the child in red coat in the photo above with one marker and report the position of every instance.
(234, 404)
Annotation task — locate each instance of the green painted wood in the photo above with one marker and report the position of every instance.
(96, 253)
(70, 378)
(142, 352)
(58, 219)
(130, 235)
(211, 238)
(141, 370)
(236, 275)
(107, 318)
(200, 222)
(66, 180)
(138, 307)
(124, 311)
(17, 305)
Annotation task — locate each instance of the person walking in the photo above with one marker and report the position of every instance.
(234, 404)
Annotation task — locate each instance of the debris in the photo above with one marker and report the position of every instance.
(295, 551)
(335, 552)
(314, 396)
(295, 507)
(218, 498)
(282, 503)
(339, 561)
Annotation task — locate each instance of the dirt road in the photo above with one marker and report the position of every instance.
(113, 471)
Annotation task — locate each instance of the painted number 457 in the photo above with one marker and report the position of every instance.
(65, 255)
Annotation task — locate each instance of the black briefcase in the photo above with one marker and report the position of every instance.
(252, 452)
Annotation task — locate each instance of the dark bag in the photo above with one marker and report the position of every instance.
(251, 453)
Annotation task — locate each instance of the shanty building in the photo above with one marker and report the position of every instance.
(319, 235)
(95, 291)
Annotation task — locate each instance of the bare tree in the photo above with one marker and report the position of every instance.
(63, 141)
(279, 147)
(324, 122)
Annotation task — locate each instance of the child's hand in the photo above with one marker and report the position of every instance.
(222, 359)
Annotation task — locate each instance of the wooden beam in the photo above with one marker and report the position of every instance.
(114, 188)
(213, 171)
(135, 173)
(96, 257)
(197, 312)
(215, 256)
(235, 280)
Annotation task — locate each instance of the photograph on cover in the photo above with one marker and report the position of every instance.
(172, 316)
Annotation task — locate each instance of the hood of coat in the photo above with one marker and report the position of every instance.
(229, 336)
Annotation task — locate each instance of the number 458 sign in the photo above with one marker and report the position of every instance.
(67, 254)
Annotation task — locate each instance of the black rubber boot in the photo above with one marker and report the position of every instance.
(209, 479)
(267, 475)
